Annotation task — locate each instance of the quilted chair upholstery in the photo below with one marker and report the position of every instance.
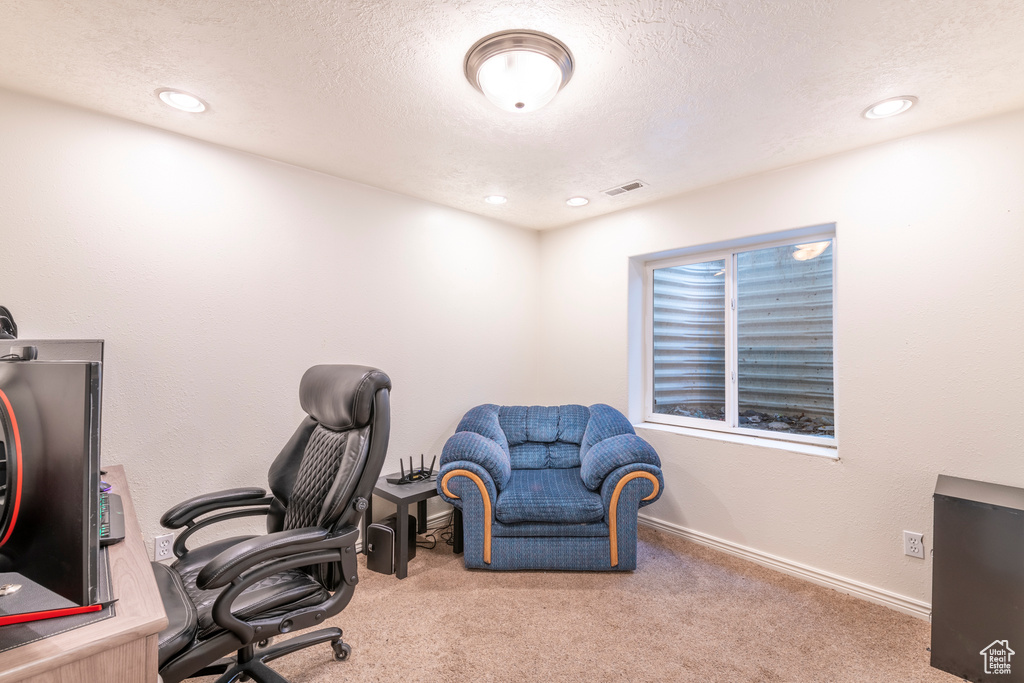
(549, 487)
(229, 595)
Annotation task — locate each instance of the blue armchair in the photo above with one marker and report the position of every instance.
(549, 487)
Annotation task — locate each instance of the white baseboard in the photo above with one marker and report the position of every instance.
(901, 603)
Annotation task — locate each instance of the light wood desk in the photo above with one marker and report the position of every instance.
(120, 649)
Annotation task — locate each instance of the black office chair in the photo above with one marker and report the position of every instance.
(231, 595)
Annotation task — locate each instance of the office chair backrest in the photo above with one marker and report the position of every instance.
(336, 454)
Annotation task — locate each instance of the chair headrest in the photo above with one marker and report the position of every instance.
(341, 396)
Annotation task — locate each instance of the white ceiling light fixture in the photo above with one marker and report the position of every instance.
(179, 99)
(577, 201)
(890, 107)
(519, 71)
(495, 199)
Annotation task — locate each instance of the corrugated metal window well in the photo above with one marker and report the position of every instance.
(744, 341)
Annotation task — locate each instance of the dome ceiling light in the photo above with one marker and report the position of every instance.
(519, 71)
(890, 107)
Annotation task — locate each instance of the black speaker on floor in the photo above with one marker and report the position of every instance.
(381, 548)
(978, 580)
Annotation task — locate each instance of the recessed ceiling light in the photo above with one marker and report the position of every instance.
(577, 201)
(495, 199)
(519, 71)
(181, 100)
(890, 107)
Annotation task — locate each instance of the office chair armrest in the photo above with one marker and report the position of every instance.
(183, 514)
(229, 565)
(607, 455)
(338, 547)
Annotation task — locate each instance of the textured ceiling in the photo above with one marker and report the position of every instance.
(680, 95)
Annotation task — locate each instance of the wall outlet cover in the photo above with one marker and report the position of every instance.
(913, 544)
(163, 547)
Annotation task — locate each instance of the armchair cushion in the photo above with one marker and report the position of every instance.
(544, 424)
(605, 422)
(539, 456)
(555, 495)
(480, 450)
(483, 420)
(612, 453)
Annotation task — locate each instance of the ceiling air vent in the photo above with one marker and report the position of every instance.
(628, 187)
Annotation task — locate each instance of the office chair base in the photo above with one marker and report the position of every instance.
(255, 667)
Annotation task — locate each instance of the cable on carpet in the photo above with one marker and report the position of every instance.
(446, 533)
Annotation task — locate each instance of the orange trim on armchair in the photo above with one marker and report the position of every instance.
(487, 504)
(613, 513)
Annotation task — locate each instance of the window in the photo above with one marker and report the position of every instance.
(740, 340)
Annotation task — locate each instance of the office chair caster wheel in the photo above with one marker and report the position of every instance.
(342, 651)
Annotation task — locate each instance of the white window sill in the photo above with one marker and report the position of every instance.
(830, 452)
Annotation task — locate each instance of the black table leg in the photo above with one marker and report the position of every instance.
(457, 532)
(421, 517)
(366, 521)
(402, 542)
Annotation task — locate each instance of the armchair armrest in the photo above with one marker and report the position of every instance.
(229, 565)
(469, 487)
(479, 450)
(649, 483)
(624, 492)
(481, 482)
(610, 454)
(184, 513)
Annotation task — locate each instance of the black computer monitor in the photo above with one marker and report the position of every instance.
(50, 434)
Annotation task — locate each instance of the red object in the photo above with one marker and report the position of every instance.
(8, 619)
(17, 453)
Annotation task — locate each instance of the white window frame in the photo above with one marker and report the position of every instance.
(728, 254)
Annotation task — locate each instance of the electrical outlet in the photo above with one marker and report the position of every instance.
(163, 547)
(913, 544)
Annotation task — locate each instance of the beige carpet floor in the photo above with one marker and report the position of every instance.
(688, 613)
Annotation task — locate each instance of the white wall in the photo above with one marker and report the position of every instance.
(217, 278)
(930, 322)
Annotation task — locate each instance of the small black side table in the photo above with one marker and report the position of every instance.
(401, 495)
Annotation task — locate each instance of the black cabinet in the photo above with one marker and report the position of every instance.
(978, 580)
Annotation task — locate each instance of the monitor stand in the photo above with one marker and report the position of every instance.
(35, 598)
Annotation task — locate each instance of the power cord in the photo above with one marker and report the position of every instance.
(446, 533)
